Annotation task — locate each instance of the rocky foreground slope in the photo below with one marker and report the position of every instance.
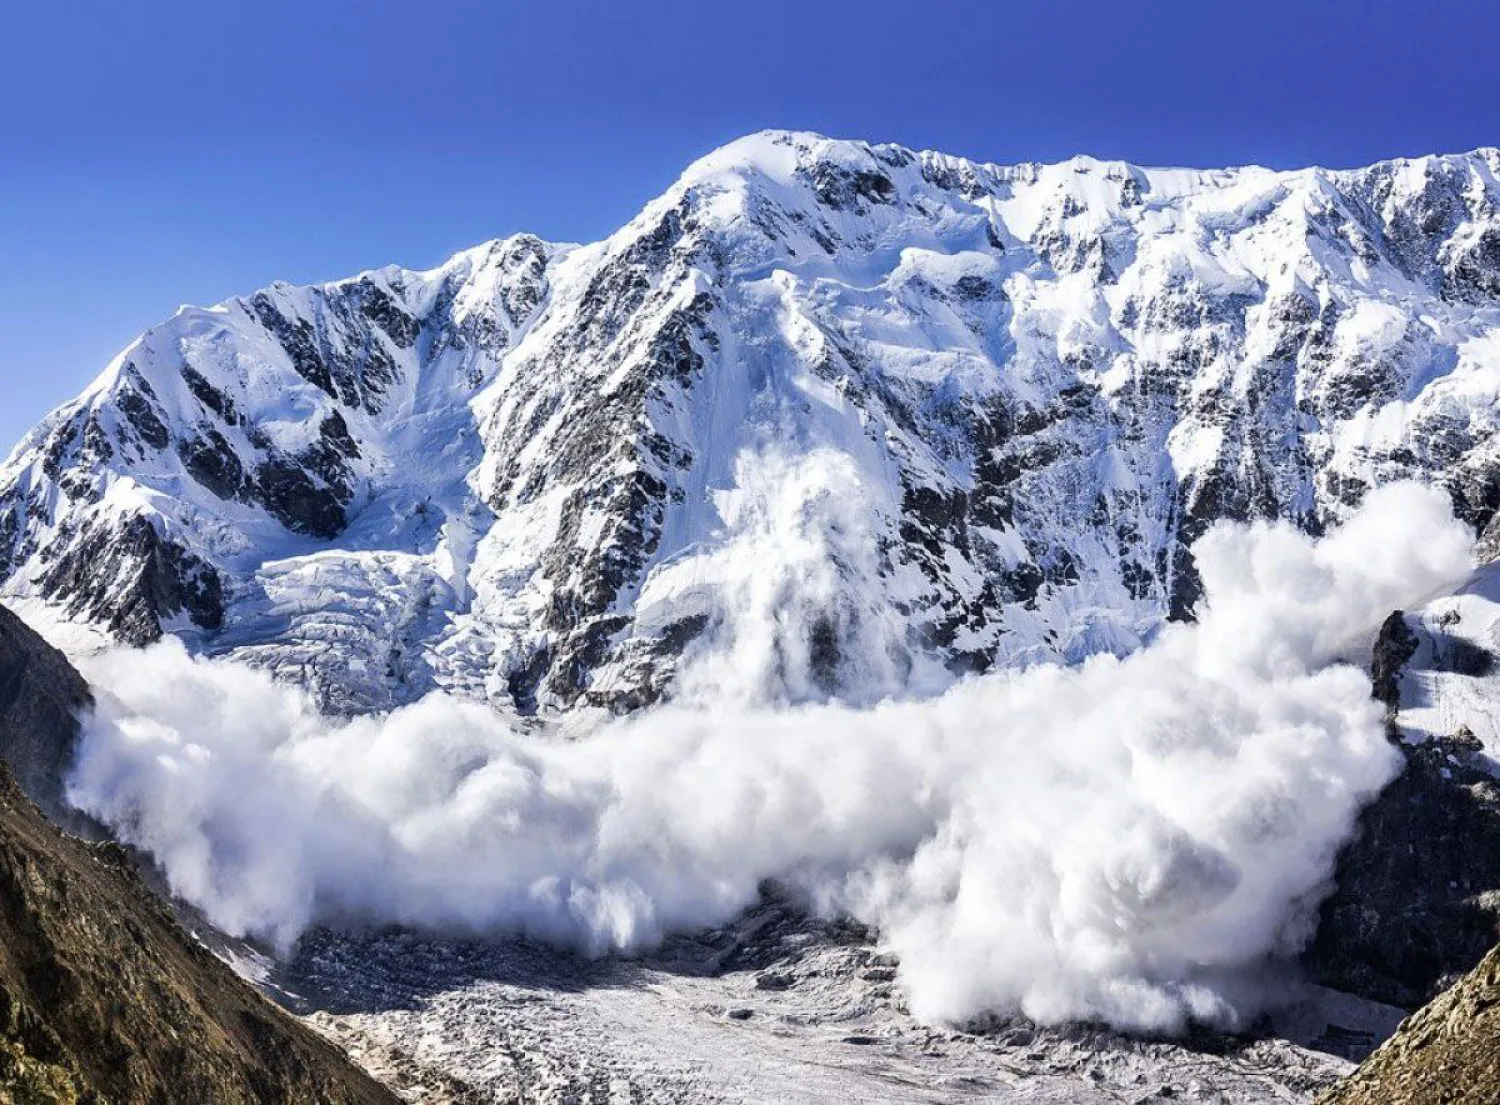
(1448, 1053)
(103, 997)
(913, 415)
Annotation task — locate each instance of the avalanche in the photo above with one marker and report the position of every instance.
(1132, 840)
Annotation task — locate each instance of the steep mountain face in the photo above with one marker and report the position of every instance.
(843, 420)
(1416, 899)
(104, 998)
(40, 697)
(1416, 902)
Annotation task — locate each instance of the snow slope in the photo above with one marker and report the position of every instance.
(844, 420)
(1452, 681)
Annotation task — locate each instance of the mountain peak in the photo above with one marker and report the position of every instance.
(955, 414)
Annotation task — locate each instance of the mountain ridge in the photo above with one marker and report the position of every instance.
(537, 474)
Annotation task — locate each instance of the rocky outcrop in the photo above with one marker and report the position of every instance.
(1417, 898)
(1395, 644)
(133, 581)
(1418, 888)
(1448, 1053)
(40, 696)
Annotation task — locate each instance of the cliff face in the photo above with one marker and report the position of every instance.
(40, 695)
(103, 997)
(1448, 1052)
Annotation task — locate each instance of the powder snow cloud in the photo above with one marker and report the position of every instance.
(1131, 839)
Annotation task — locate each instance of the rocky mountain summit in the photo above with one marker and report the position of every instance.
(914, 415)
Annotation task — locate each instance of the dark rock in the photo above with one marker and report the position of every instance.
(1394, 646)
(824, 653)
(378, 307)
(210, 396)
(335, 433)
(40, 698)
(1415, 901)
(844, 188)
(976, 288)
(1474, 271)
(522, 681)
(299, 501)
(157, 580)
(299, 340)
(772, 980)
(210, 460)
(140, 413)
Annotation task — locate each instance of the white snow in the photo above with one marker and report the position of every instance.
(878, 327)
(1130, 840)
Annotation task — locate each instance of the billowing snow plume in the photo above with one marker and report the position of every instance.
(794, 591)
(1131, 839)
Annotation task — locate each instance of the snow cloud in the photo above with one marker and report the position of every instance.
(1130, 840)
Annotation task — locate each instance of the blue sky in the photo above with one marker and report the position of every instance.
(155, 152)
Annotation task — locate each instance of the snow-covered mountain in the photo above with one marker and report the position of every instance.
(841, 419)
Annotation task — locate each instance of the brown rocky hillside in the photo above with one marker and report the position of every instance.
(103, 997)
(1447, 1053)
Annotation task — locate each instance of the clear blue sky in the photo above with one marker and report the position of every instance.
(155, 152)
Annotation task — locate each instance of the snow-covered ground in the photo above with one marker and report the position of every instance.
(773, 1009)
(1452, 681)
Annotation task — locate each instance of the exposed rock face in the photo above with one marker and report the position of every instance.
(542, 475)
(1418, 888)
(1418, 897)
(1394, 646)
(1448, 1052)
(103, 997)
(40, 696)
